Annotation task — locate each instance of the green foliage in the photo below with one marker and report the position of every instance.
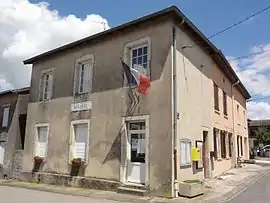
(263, 135)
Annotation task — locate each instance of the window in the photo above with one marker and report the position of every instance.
(139, 56)
(83, 77)
(216, 101)
(136, 132)
(244, 118)
(79, 140)
(241, 145)
(5, 116)
(237, 108)
(185, 152)
(46, 86)
(215, 141)
(223, 144)
(42, 140)
(225, 108)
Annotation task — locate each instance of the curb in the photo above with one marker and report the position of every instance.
(230, 195)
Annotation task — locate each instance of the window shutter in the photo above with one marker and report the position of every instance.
(183, 154)
(50, 86)
(76, 79)
(41, 87)
(188, 148)
(86, 78)
(81, 135)
(5, 117)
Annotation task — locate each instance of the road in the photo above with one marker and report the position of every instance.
(20, 195)
(256, 193)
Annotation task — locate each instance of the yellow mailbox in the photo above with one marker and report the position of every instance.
(195, 154)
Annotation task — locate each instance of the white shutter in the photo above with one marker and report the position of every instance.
(50, 85)
(183, 152)
(41, 145)
(41, 87)
(76, 79)
(5, 117)
(2, 153)
(86, 78)
(81, 136)
(188, 144)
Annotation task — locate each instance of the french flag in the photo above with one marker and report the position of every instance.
(134, 77)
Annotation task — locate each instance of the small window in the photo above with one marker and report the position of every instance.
(185, 152)
(41, 143)
(139, 56)
(79, 145)
(237, 108)
(5, 116)
(46, 86)
(225, 107)
(216, 100)
(83, 77)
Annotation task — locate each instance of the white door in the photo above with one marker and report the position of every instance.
(136, 168)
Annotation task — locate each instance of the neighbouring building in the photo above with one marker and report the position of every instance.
(253, 125)
(81, 107)
(13, 113)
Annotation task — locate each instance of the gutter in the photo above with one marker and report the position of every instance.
(174, 114)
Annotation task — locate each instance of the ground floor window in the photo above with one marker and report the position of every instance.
(185, 152)
(41, 140)
(223, 144)
(79, 140)
(230, 145)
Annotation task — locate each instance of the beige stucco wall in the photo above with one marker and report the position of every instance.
(109, 103)
(194, 106)
(225, 123)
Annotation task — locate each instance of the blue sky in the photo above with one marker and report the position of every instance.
(209, 15)
(30, 27)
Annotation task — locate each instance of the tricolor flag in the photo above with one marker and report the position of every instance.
(134, 77)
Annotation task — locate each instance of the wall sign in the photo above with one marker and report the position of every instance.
(82, 106)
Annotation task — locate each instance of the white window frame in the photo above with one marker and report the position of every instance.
(49, 97)
(72, 139)
(186, 141)
(78, 64)
(145, 41)
(8, 114)
(36, 138)
(125, 146)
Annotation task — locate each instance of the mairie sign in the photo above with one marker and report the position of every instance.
(82, 106)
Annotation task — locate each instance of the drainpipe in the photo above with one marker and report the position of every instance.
(175, 181)
(233, 118)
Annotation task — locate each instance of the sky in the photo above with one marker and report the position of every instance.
(30, 27)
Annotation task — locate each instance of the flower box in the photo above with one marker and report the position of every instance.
(38, 162)
(77, 167)
(191, 188)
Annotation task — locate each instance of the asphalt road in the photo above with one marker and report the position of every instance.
(256, 193)
(20, 195)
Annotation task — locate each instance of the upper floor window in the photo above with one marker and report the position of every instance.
(225, 107)
(139, 56)
(216, 100)
(5, 117)
(83, 77)
(46, 86)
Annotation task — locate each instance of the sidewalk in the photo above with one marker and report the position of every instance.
(217, 190)
(232, 183)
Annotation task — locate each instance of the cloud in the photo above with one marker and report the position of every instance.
(28, 29)
(254, 72)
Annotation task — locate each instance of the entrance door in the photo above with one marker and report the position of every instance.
(136, 168)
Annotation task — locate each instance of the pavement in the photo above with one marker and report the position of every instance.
(221, 189)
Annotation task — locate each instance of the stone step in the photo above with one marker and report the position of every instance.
(132, 191)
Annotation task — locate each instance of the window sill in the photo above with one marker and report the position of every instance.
(219, 159)
(185, 166)
(228, 158)
(217, 112)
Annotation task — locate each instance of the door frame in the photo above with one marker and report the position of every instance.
(125, 146)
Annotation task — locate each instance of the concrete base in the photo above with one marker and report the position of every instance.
(69, 181)
(190, 190)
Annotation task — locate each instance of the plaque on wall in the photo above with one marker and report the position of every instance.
(82, 106)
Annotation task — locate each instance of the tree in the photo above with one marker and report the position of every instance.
(263, 135)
